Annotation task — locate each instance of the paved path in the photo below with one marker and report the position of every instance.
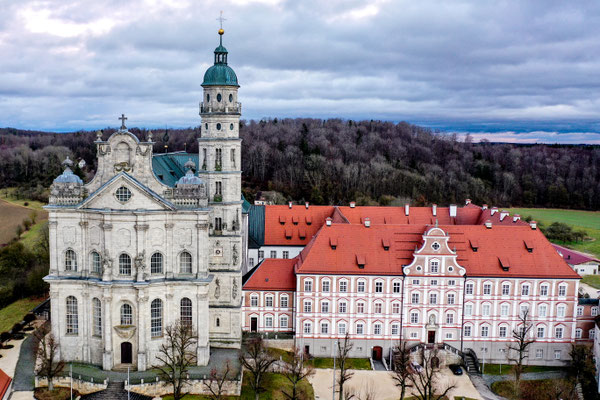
(483, 388)
(24, 379)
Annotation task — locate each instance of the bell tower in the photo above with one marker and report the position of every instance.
(220, 167)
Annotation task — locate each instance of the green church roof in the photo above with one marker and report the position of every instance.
(220, 74)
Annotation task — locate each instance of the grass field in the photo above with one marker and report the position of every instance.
(589, 221)
(15, 312)
(536, 390)
(494, 369)
(12, 213)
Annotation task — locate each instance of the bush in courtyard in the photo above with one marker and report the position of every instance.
(16, 328)
(4, 337)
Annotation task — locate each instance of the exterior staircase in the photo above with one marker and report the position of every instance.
(471, 362)
(115, 391)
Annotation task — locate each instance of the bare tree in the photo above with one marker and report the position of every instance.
(257, 361)
(519, 347)
(401, 362)
(177, 353)
(367, 391)
(344, 347)
(426, 382)
(49, 365)
(295, 371)
(216, 381)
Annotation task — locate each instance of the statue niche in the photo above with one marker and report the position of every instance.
(122, 157)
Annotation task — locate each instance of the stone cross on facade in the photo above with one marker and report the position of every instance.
(123, 118)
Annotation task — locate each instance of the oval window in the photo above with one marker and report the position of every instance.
(230, 127)
(219, 97)
(207, 97)
(218, 127)
(230, 98)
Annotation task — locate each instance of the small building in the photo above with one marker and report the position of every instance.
(581, 263)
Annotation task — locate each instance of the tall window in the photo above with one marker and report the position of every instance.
(126, 315)
(156, 318)
(325, 286)
(360, 307)
(273, 253)
(232, 157)
(487, 288)
(504, 310)
(283, 322)
(97, 317)
(502, 331)
(70, 261)
(485, 310)
(286, 254)
(342, 328)
(307, 327)
(185, 263)
(485, 331)
(505, 289)
(324, 327)
(218, 158)
(268, 321)
(308, 286)
(325, 307)
(560, 311)
(96, 263)
(360, 328)
(378, 308)
(254, 301)
(415, 298)
(544, 290)
(414, 317)
(343, 286)
(525, 290)
(396, 287)
(377, 329)
(396, 308)
(450, 298)
(543, 310)
(156, 263)
(433, 298)
(342, 307)
(378, 287)
(124, 264)
(562, 290)
(269, 301)
(449, 318)
(283, 302)
(468, 309)
(435, 266)
(219, 225)
(360, 286)
(307, 306)
(185, 311)
(469, 288)
(558, 333)
(218, 188)
(72, 316)
(467, 330)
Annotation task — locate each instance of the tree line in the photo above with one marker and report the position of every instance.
(336, 161)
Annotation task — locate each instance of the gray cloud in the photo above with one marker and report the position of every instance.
(457, 65)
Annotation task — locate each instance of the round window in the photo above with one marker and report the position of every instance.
(218, 127)
(435, 246)
(219, 97)
(450, 269)
(230, 98)
(419, 268)
(123, 194)
(230, 127)
(207, 97)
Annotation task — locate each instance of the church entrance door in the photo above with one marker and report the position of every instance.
(126, 350)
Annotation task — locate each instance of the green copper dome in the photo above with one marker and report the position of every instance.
(220, 74)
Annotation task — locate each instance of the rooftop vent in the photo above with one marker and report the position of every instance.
(406, 209)
(434, 210)
(385, 243)
(306, 205)
(352, 204)
(504, 263)
(328, 221)
(467, 202)
(333, 242)
(533, 224)
(474, 245)
(452, 210)
(290, 204)
(308, 219)
(488, 224)
(493, 210)
(484, 207)
(282, 219)
(361, 260)
(504, 214)
(528, 245)
(288, 233)
(367, 222)
(295, 220)
(302, 233)
(516, 217)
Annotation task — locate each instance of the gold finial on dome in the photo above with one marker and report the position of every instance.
(221, 31)
(221, 19)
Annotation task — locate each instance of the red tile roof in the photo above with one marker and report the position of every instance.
(573, 257)
(273, 274)
(285, 226)
(493, 245)
(4, 383)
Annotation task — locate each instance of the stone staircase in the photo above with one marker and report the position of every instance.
(470, 364)
(115, 391)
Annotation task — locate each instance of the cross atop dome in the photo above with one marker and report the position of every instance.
(123, 118)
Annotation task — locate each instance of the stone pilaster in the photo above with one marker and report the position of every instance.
(107, 356)
(142, 312)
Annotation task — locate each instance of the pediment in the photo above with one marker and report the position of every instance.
(110, 196)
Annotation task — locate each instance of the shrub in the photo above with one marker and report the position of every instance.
(29, 317)
(5, 337)
(16, 328)
(26, 204)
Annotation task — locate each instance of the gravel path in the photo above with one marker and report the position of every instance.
(24, 379)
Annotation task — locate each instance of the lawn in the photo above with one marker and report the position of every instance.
(8, 195)
(494, 369)
(15, 312)
(353, 363)
(12, 213)
(545, 389)
(588, 221)
(274, 384)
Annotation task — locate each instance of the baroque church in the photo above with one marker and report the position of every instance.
(151, 240)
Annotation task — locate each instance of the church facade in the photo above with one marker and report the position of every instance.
(134, 251)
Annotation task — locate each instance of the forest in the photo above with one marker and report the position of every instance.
(336, 161)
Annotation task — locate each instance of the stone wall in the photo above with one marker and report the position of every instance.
(81, 386)
(283, 344)
(196, 386)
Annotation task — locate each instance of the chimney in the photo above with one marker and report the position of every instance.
(516, 217)
(328, 221)
(452, 210)
(406, 209)
(290, 204)
(533, 224)
(467, 202)
(504, 214)
(306, 205)
(493, 210)
(434, 210)
(488, 224)
(352, 204)
(367, 222)
(484, 207)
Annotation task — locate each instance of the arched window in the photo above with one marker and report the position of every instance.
(254, 300)
(96, 263)
(72, 316)
(230, 98)
(156, 318)
(218, 322)
(541, 331)
(126, 315)
(283, 322)
(124, 264)
(185, 263)
(97, 317)
(70, 260)
(578, 333)
(283, 302)
(185, 311)
(269, 300)
(307, 306)
(156, 263)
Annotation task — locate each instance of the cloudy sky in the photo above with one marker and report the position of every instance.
(504, 70)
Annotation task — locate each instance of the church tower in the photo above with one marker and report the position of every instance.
(220, 167)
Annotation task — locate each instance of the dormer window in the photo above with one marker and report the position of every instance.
(308, 220)
(288, 233)
(282, 220)
(361, 261)
(528, 245)
(295, 220)
(333, 243)
(474, 245)
(386, 244)
(302, 233)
